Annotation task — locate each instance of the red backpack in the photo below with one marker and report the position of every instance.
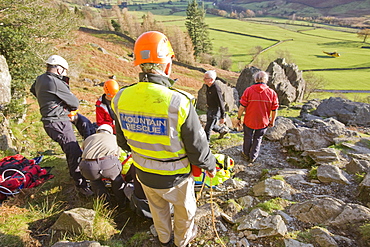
(17, 172)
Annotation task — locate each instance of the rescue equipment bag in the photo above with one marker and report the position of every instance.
(17, 172)
(224, 167)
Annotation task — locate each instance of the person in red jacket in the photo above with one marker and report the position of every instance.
(104, 113)
(260, 104)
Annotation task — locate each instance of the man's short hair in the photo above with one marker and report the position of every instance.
(150, 67)
(261, 76)
(212, 74)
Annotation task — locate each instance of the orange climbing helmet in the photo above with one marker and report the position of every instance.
(153, 47)
(111, 87)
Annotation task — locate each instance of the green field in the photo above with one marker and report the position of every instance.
(305, 43)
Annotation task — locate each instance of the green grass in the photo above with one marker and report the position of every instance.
(273, 204)
(306, 46)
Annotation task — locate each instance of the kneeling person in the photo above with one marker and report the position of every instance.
(100, 160)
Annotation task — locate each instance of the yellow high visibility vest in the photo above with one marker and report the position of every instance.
(151, 116)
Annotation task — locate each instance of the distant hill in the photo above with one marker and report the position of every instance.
(338, 8)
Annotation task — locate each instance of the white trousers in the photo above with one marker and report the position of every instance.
(183, 199)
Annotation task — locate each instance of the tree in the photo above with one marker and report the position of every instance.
(197, 28)
(181, 44)
(223, 58)
(313, 82)
(27, 30)
(363, 34)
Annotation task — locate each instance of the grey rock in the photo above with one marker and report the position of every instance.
(273, 188)
(245, 79)
(350, 215)
(318, 134)
(323, 155)
(77, 220)
(5, 79)
(323, 237)
(317, 211)
(294, 243)
(267, 225)
(331, 173)
(346, 111)
(78, 244)
(277, 132)
(358, 166)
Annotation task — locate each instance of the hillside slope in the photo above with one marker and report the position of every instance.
(95, 57)
(339, 8)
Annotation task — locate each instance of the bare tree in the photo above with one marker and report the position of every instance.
(313, 82)
(363, 34)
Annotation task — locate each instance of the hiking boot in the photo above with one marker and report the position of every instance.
(246, 157)
(86, 191)
(223, 132)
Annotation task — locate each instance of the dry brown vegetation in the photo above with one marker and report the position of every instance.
(88, 62)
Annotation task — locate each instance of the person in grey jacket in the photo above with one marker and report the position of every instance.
(56, 101)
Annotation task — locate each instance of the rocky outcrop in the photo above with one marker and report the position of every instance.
(229, 94)
(318, 134)
(5, 97)
(345, 111)
(287, 81)
(245, 79)
(5, 80)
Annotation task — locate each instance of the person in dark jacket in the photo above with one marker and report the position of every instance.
(56, 101)
(160, 126)
(215, 106)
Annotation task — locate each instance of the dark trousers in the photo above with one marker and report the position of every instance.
(84, 126)
(62, 132)
(110, 167)
(252, 141)
(213, 115)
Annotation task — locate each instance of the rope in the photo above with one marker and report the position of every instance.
(212, 210)
(213, 216)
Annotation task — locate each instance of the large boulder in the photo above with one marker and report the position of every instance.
(345, 111)
(318, 134)
(5, 97)
(5, 80)
(318, 210)
(229, 94)
(287, 80)
(245, 79)
(277, 132)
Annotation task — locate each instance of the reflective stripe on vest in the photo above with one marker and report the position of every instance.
(151, 117)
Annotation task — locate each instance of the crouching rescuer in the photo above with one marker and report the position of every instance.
(160, 127)
(100, 160)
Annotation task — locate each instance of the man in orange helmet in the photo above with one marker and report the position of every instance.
(160, 126)
(103, 110)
